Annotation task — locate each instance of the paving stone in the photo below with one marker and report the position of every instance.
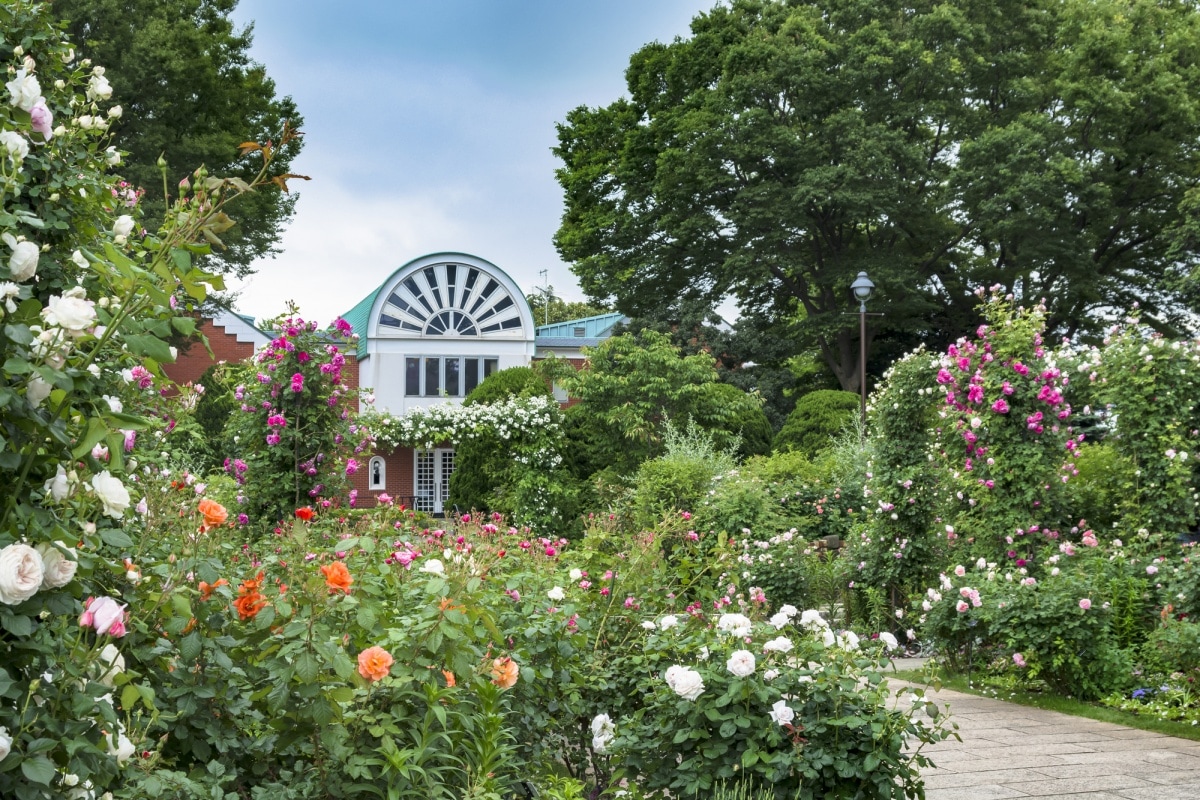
(1174, 776)
(1095, 783)
(1183, 791)
(1000, 763)
(1013, 751)
(993, 791)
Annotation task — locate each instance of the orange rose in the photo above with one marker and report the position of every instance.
(206, 588)
(214, 513)
(305, 513)
(374, 663)
(504, 672)
(449, 676)
(337, 577)
(248, 605)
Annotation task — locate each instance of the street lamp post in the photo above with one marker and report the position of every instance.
(862, 288)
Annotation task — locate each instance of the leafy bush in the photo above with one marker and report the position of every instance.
(1174, 646)
(816, 420)
(480, 466)
(799, 710)
(679, 479)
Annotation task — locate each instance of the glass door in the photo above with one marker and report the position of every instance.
(431, 479)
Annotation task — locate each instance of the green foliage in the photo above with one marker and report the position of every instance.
(679, 479)
(480, 465)
(901, 544)
(561, 310)
(784, 147)
(816, 419)
(1151, 385)
(1174, 646)
(1095, 493)
(190, 94)
(632, 386)
(88, 312)
(785, 718)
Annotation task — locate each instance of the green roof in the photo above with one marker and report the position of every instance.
(597, 327)
(359, 316)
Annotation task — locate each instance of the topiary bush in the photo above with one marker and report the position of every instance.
(816, 420)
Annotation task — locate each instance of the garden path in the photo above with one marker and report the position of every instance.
(1010, 751)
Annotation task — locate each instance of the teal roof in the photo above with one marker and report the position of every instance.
(597, 327)
(359, 316)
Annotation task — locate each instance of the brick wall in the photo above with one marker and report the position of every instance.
(194, 361)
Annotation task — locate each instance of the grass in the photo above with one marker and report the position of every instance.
(1051, 702)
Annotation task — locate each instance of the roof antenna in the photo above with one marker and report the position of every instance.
(546, 292)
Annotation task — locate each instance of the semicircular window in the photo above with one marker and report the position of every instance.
(450, 300)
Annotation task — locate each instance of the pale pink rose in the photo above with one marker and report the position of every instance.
(104, 615)
(1085, 604)
(21, 573)
(40, 118)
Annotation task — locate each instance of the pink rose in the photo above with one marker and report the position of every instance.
(105, 616)
(40, 118)
(1085, 604)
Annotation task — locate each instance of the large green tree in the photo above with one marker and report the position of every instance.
(189, 93)
(1045, 145)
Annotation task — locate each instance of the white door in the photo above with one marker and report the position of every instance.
(432, 479)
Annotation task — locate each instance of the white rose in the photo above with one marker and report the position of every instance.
(648, 625)
(668, 622)
(37, 391)
(112, 663)
(59, 487)
(741, 663)
(770, 675)
(115, 112)
(575, 574)
(99, 88)
(781, 713)
(780, 644)
(888, 639)
(23, 263)
(112, 157)
(686, 683)
(848, 640)
(79, 259)
(122, 227)
(112, 494)
(433, 567)
(70, 779)
(25, 90)
(72, 311)
(120, 746)
(780, 620)
(15, 145)
(735, 624)
(57, 569)
(21, 573)
(556, 593)
(5, 743)
(602, 725)
(114, 404)
(813, 619)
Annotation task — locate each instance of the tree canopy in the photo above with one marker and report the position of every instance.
(561, 310)
(1049, 147)
(189, 93)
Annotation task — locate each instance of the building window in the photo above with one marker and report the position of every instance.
(435, 376)
(377, 474)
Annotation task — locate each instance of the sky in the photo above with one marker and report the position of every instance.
(429, 126)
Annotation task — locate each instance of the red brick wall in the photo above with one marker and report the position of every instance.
(195, 360)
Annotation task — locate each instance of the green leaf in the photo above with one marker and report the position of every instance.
(96, 431)
(146, 345)
(39, 770)
(307, 666)
(115, 537)
(17, 624)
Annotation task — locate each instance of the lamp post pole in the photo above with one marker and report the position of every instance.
(862, 288)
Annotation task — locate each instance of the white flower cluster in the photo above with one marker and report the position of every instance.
(603, 732)
(26, 570)
(525, 419)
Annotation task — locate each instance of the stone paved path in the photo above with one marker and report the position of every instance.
(1016, 751)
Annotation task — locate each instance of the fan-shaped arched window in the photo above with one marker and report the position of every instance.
(450, 300)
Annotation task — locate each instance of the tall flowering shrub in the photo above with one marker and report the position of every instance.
(88, 301)
(901, 540)
(293, 438)
(1149, 388)
(1004, 433)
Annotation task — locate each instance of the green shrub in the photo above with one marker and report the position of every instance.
(480, 465)
(680, 479)
(1095, 492)
(816, 420)
(1172, 647)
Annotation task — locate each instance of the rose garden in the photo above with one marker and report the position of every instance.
(204, 610)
